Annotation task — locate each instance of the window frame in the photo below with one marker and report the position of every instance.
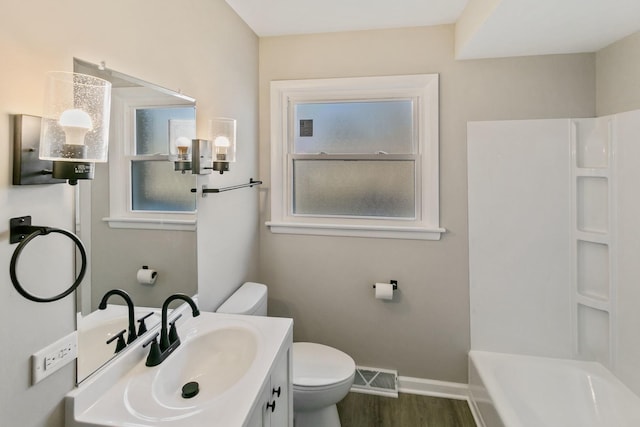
(423, 89)
(122, 154)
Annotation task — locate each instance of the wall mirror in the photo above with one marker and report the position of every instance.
(142, 116)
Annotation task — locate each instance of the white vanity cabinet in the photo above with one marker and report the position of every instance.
(239, 363)
(274, 407)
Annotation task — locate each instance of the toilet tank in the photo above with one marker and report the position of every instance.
(250, 298)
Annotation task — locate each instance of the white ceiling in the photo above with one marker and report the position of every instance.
(281, 17)
(484, 28)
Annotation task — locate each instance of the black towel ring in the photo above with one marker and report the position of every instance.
(42, 231)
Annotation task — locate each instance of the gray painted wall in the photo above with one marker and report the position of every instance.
(117, 254)
(617, 71)
(324, 283)
(198, 46)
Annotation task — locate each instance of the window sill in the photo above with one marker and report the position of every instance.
(410, 233)
(152, 223)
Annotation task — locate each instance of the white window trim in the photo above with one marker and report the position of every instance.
(424, 87)
(121, 151)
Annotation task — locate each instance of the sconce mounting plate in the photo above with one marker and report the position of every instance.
(201, 155)
(28, 169)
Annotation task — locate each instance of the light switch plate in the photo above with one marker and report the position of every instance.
(53, 357)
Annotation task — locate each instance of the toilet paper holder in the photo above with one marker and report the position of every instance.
(146, 275)
(392, 282)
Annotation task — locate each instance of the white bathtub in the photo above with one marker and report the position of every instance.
(524, 391)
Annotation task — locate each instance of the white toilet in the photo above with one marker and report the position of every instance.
(322, 375)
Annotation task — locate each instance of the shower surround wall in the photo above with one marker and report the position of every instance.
(554, 239)
(519, 236)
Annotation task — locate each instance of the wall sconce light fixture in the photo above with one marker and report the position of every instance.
(74, 130)
(223, 135)
(75, 124)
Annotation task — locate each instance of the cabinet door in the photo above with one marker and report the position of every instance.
(274, 407)
(281, 397)
(259, 416)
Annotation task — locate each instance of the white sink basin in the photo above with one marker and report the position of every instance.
(229, 356)
(216, 360)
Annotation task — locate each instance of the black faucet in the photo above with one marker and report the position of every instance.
(169, 340)
(120, 345)
(131, 336)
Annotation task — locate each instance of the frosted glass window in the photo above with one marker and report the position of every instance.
(355, 156)
(358, 186)
(355, 188)
(152, 128)
(156, 187)
(354, 127)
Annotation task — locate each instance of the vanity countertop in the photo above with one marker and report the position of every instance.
(128, 393)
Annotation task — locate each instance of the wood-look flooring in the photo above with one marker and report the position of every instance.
(408, 410)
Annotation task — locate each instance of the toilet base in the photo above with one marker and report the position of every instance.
(323, 417)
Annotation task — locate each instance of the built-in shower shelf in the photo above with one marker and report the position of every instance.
(595, 172)
(598, 303)
(601, 237)
(593, 240)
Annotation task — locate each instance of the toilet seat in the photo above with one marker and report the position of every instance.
(317, 366)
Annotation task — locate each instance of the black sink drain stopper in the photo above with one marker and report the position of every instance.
(190, 389)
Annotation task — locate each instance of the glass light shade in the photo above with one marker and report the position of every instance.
(181, 132)
(182, 148)
(223, 136)
(75, 121)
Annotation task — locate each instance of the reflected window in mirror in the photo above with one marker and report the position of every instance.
(145, 191)
(154, 185)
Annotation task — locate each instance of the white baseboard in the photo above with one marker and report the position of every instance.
(433, 388)
(376, 392)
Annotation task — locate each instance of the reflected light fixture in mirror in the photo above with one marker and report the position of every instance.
(201, 156)
(181, 133)
(75, 124)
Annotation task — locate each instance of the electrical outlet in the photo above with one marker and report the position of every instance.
(53, 357)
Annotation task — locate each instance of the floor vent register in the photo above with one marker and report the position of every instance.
(383, 382)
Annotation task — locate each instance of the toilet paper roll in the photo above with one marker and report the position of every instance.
(384, 291)
(147, 276)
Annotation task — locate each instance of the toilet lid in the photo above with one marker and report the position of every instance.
(318, 365)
